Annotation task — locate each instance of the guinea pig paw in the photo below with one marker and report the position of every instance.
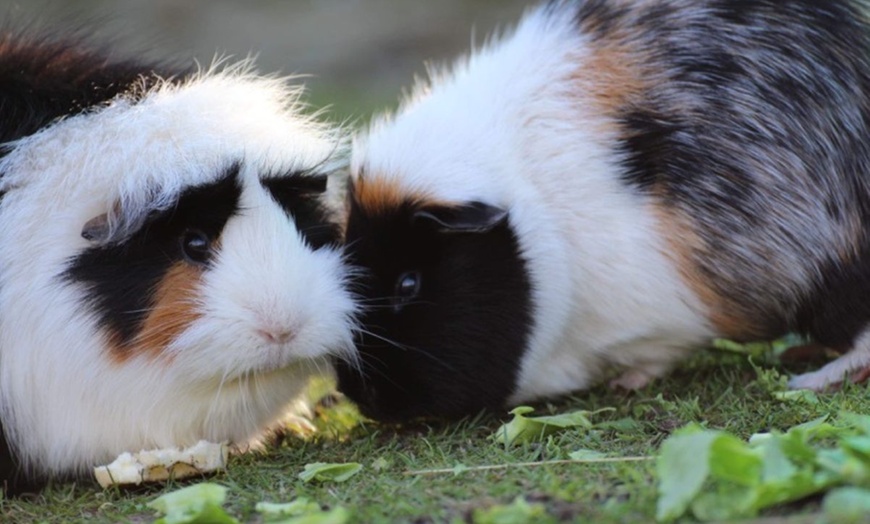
(860, 375)
(820, 381)
(299, 425)
(854, 366)
(631, 380)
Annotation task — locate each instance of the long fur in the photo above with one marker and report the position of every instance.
(673, 171)
(247, 328)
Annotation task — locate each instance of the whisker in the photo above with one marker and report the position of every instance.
(377, 370)
(352, 243)
(213, 407)
(258, 390)
(317, 228)
(405, 347)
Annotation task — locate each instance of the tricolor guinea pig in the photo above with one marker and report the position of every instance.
(168, 262)
(609, 186)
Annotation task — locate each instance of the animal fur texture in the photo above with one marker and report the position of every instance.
(611, 185)
(168, 265)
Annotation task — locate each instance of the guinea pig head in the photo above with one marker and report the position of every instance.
(446, 308)
(237, 275)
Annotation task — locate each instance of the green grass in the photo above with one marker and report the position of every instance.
(719, 390)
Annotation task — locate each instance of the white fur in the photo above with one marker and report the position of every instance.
(511, 127)
(855, 362)
(65, 403)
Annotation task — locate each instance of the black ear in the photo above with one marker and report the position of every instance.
(473, 217)
(97, 229)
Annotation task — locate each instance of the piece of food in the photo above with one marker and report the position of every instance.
(161, 464)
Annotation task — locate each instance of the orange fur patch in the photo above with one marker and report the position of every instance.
(378, 196)
(612, 76)
(173, 312)
(613, 73)
(684, 248)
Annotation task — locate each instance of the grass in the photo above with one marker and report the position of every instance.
(719, 390)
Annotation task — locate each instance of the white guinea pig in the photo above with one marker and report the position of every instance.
(168, 263)
(611, 185)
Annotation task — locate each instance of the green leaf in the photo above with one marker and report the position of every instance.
(535, 429)
(197, 504)
(843, 465)
(683, 467)
(623, 425)
(518, 512)
(324, 472)
(756, 349)
(720, 477)
(300, 511)
(769, 379)
(586, 454)
(733, 460)
(805, 396)
(800, 485)
(299, 506)
(818, 427)
(760, 349)
(725, 504)
(782, 479)
(459, 468)
(795, 443)
(847, 506)
(788, 341)
(337, 515)
(380, 464)
(854, 420)
(859, 447)
(776, 467)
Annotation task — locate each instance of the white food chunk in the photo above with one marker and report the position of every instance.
(161, 464)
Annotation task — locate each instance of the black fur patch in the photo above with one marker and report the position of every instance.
(454, 349)
(836, 311)
(12, 481)
(45, 78)
(727, 77)
(598, 17)
(121, 278)
(299, 195)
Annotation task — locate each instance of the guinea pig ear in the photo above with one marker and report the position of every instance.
(473, 217)
(97, 229)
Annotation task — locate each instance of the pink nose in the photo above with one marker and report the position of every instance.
(276, 336)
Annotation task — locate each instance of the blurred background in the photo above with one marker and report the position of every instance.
(360, 53)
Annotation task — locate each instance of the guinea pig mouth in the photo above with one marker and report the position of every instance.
(260, 373)
(277, 363)
(283, 358)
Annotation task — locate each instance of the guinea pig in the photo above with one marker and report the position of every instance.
(606, 188)
(169, 266)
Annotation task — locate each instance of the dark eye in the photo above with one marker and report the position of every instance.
(196, 246)
(407, 288)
